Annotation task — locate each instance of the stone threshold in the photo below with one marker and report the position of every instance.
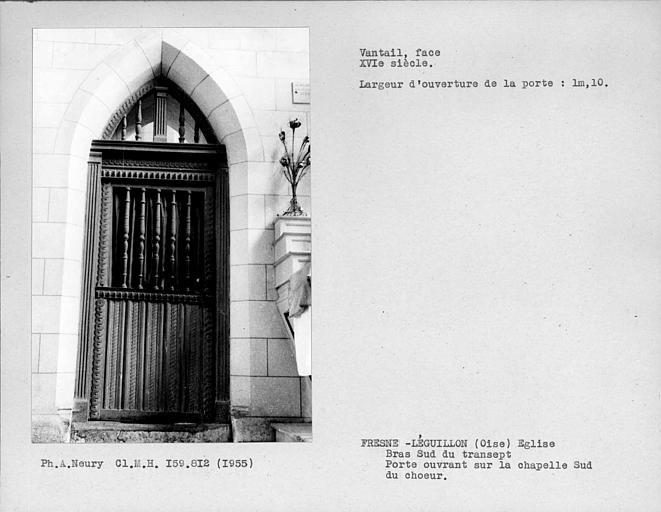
(115, 432)
(292, 432)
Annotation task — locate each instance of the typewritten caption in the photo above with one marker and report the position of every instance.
(151, 464)
(421, 59)
(426, 458)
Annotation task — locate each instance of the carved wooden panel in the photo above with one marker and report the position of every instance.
(158, 358)
(154, 338)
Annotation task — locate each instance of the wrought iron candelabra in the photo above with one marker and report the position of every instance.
(294, 167)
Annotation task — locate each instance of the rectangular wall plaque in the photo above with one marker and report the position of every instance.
(300, 92)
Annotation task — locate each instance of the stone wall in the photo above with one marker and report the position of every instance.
(241, 79)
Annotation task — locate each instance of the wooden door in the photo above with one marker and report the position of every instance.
(154, 318)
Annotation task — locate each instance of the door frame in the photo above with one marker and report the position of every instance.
(133, 159)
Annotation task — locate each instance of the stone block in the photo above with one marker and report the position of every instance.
(49, 428)
(247, 211)
(237, 62)
(247, 282)
(258, 92)
(109, 432)
(55, 314)
(271, 293)
(64, 390)
(43, 140)
(272, 148)
(57, 353)
(54, 85)
(73, 138)
(67, 205)
(291, 65)
(104, 83)
(69, 315)
(50, 170)
(226, 118)
(224, 38)
(48, 115)
(151, 45)
(73, 248)
(214, 90)
(256, 319)
(190, 66)
(62, 277)
(120, 36)
(131, 65)
(275, 396)
(306, 397)
(304, 187)
(48, 240)
(89, 111)
(292, 432)
(257, 38)
(248, 356)
(83, 35)
(243, 146)
(43, 393)
(78, 55)
(173, 42)
(240, 393)
(36, 338)
(48, 353)
(281, 358)
(251, 246)
(257, 178)
(42, 54)
(45, 314)
(252, 430)
(57, 205)
(292, 39)
(37, 276)
(78, 175)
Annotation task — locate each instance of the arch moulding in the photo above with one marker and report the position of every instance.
(125, 74)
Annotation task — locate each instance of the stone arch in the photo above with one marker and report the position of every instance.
(172, 56)
(118, 77)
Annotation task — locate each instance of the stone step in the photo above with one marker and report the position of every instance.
(113, 432)
(292, 432)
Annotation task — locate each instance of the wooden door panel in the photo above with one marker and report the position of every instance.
(157, 358)
(155, 323)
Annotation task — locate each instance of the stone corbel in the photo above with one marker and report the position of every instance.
(293, 248)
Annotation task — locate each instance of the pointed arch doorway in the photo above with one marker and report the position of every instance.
(153, 344)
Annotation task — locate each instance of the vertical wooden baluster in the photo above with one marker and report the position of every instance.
(161, 115)
(196, 137)
(124, 123)
(141, 238)
(138, 122)
(182, 124)
(125, 254)
(173, 239)
(188, 235)
(157, 239)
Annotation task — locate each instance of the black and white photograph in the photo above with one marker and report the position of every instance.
(482, 224)
(171, 252)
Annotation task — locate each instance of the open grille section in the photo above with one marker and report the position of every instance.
(158, 238)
